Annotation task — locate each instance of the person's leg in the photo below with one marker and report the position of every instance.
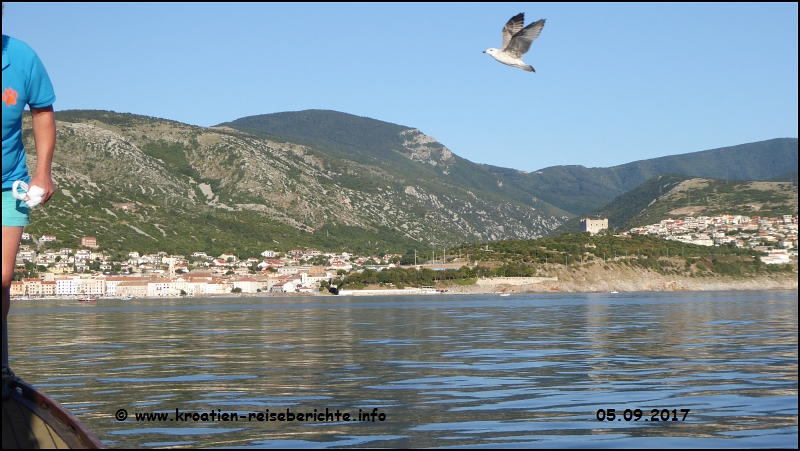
(11, 239)
(15, 217)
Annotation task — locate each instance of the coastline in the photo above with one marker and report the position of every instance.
(586, 279)
(628, 279)
(596, 280)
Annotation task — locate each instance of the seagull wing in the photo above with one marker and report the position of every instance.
(513, 26)
(521, 41)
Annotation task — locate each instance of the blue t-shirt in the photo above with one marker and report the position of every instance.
(25, 82)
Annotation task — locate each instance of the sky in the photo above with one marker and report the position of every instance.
(614, 83)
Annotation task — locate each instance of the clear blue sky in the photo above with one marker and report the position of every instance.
(614, 83)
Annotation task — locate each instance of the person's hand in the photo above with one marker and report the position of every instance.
(44, 182)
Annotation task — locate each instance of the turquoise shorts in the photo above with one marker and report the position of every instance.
(15, 211)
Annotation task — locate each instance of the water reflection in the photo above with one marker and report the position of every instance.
(446, 370)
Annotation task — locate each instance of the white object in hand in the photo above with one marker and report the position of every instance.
(34, 193)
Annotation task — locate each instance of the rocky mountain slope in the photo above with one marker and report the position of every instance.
(143, 183)
(317, 179)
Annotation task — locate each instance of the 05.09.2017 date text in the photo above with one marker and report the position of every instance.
(637, 414)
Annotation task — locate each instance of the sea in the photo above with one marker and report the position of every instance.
(634, 370)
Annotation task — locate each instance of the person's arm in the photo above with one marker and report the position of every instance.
(44, 135)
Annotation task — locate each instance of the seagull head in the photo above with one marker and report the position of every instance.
(490, 51)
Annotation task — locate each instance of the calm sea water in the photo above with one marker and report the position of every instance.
(527, 370)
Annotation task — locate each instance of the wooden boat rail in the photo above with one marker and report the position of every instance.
(53, 425)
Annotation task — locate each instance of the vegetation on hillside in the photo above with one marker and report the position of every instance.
(708, 197)
(355, 138)
(579, 190)
(573, 189)
(525, 258)
(623, 208)
(788, 177)
(406, 277)
(577, 247)
(675, 196)
(145, 184)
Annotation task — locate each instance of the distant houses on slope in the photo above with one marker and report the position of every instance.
(755, 232)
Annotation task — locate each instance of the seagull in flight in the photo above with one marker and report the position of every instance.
(517, 41)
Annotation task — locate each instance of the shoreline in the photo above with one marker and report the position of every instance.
(573, 280)
(632, 280)
(606, 279)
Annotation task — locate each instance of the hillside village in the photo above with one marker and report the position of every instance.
(775, 236)
(87, 271)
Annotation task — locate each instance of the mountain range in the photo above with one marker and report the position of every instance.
(322, 179)
(578, 189)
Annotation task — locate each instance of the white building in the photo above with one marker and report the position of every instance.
(593, 225)
(248, 285)
(225, 257)
(94, 287)
(158, 288)
(111, 285)
(776, 258)
(178, 285)
(67, 287)
(288, 270)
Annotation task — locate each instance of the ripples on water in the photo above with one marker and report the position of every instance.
(446, 370)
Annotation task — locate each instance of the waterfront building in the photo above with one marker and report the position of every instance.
(132, 288)
(158, 288)
(17, 288)
(32, 287)
(178, 285)
(220, 286)
(247, 284)
(278, 287)
(49, 289)
(111, 284)
(94, 287)
(67, 286)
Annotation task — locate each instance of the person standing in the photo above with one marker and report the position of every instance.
(25, 82)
